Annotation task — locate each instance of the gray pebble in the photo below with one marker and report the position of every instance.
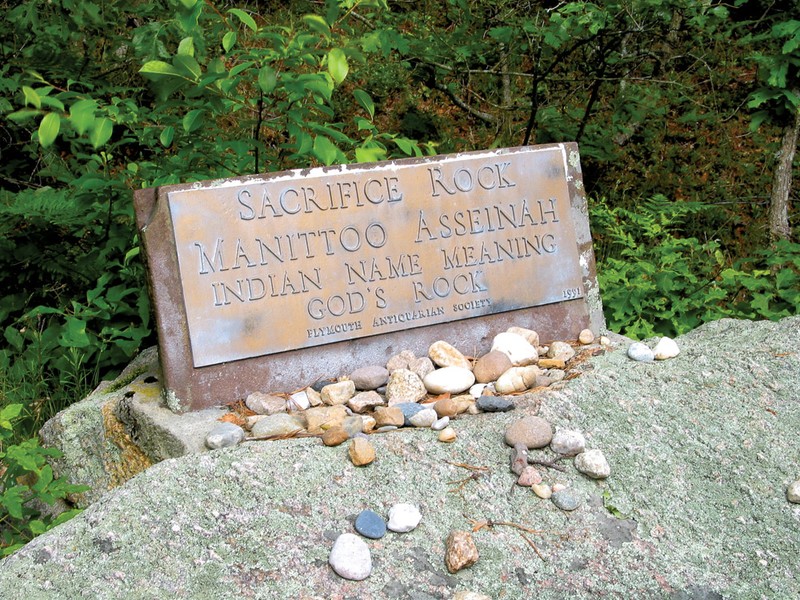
(565, 499)
(640, 352)
(224, 435)
(495, 404)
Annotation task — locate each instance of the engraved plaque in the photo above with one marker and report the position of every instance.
(267, 266)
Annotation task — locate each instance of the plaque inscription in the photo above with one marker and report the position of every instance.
(314, 257)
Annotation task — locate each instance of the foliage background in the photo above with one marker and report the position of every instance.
(679, 107)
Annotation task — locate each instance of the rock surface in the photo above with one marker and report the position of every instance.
(253, 521)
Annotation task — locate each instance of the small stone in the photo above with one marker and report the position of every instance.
(517, 348)
(490, 366)
(400, 361)
(447, 435)
(494, 404)
(299, 401)
(368, 423)
(370, 524)
(560, 351)
(445, 355)
(350, 557)
(279, 424)
(404, 518)
(565, 499)
(385, 428)
(640, 352)
(224, 435)
(440, 424)
(568, 442)
(666, 348)
(529, 477)
(449, 380)
(353, 425)
(604, 341)
(534, 432)
(389, 415)
(467, 595)
(551, 363)
(313, 397)
(338, 393)
(335, 436)
(519, 459)
(529, 335)
(517, 379)
(586, 337)
(265, 404)
(365, 401)
(476, 391)
(361, 452)
(448, 407)
(472, 409)
(321, 418)
(404, 386)
(542, 490)
(593, 464)
(424, 418)
(421, 366)
(409, 409)
(460, 551)
(370, 377)
(557, 487)
(793, 492)
(321, 383)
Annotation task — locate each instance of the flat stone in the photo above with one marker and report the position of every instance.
(224, 435)
(517, 379)
(424, 418)
(640, 352)
(495, 404)
(560, 351)
(793, 492)
(460, 551)
(370, 377)
(389, 416)
(404, 518)
(335, 436)
(324, 417)
(350, 557)
(519, 350)
(666, 348)
(565, 499)
(593, 464)
(568, 442)
(338, 393)
(447, 435)
(265, 404)
(279, 424)
(449, 380)
(365, 401)
(490, 366)
(445, 355)
(370, 524)
(361, 452)
(529, 476)
(533, 432)
(586, 336)
(551, 363)
(404, 386)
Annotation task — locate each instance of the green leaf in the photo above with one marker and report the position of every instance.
(166, 136)
(325, 150)
(81, 115)
(12, 500)
(158, 67)
(31, 97)
(337, 65)
(192, 120)
(48, 129)
(318, 24)
(365, 101)
(19, 116)
(370, 154)
(228, 41)
(187, 66)
(267, 79)
(74, 334)
(186, 47)
(189, 3)
(241, 67)
(11, 411)
(244, 18)
(101, 132)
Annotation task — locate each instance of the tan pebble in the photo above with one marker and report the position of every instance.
(369, 423)
(445, 355)
(460, 551)
(473, 409)
(324, 417)
(551, 363)
(586, 336)
(338, 393)
(361, 452)
(490, 366)
(542, 490)
(517, 379)
(313, 397)
(447, 435)
(334, 436)
(557, 487)
(604, 341)
(388, 415)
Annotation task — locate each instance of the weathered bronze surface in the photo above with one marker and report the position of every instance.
(307, 271)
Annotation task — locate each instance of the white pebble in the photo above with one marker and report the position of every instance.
(640, 352)
(453, 380)
(350, 557)
(666, 348)
(793, 492)
(593, 464)
(476, 391)
(440, 424)
(403, 518)
(568, 442)
(424, 418)
(516, 347)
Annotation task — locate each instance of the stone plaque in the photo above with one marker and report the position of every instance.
(252, 275)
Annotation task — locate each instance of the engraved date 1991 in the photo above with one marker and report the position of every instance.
(570, 293)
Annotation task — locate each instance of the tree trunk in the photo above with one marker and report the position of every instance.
(782, 183)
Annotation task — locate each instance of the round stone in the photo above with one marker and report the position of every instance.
(533, 432)
(490, 366)
(361, 452)
(793, 492)
(666, 348)
(338, 393)
(560, 351)
(568, 442)
(640, 352)
(350, 557)
(389, 416)
(370, 377)
(440, 424)
(542, 490)
(424, 418)
(529, 477)
(365, 401)
(495, 404)
(586, 337)
(593, 464)
(565, 499)
(404, 518)
(460, 551)
(404, 386)
(279, 424)
(265, 404)
(517, 348)
(445, 355)
(449, 380)
(447, 435)
(335, 436)
(224, 435)
(370, 524)
(476, 391)
(517, 379)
